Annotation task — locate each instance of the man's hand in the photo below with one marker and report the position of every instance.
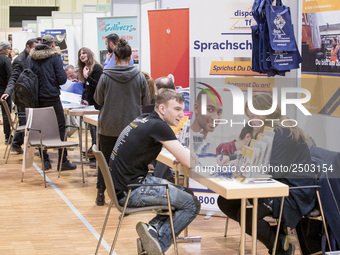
(222, 161)
(108, 55)
(4, 96)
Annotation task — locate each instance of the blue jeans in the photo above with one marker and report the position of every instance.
(187, 207)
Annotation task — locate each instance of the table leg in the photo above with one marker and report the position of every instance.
(86, 141)
(243, 226)
(254, 226)
(81, 145)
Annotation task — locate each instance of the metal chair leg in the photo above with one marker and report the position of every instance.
(61, 162)
(104, 226)
(278, 226)
(9, 151)
(171, 221)
(226, 226)
(323, 220)
(120, 223)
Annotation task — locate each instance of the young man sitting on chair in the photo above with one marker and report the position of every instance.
(140, 143)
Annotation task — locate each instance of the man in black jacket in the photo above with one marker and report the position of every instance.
(46, 63)
(19, 64)
(5, 72)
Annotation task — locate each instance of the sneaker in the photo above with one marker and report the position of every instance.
(100, 200)
(140, 248)
(47, 165)
(67, 165)
(149, 238)
(17, 150)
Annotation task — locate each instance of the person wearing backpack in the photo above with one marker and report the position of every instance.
(19, 64)
(46, 63)
(5, 72)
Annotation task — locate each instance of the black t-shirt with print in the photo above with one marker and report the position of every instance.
(137, 145)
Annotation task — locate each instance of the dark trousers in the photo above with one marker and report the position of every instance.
(106, 144)
(5, 120)
(19, 137)
(265, 233)
(59, 111)
(93, 133)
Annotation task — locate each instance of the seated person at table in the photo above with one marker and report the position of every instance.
(229, 149)
(289, 148)
(161, 170)
(129, 164)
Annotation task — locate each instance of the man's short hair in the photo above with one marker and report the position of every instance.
(164, 83)
(164, 95)
(246, 130)
(30, 42)
(68, 67)
(112, 38)
(48, 39)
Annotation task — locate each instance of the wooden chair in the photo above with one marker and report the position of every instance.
(124, 209)
(15, 128)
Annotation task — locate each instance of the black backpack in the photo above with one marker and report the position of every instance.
(26, 89)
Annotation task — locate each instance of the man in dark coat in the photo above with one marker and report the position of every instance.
(46, 63)
(5, 72)
(19, 64)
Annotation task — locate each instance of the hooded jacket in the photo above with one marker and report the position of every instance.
(47, 65)
(121, 91)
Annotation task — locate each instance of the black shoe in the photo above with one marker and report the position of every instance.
(100, 200)
(17, 150)
(67, 165)
(8, 140)
(284, 242)
(290, 250)
(47, 165)
(149, 238)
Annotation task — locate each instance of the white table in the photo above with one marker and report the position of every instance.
(80, 111)
(232, 189)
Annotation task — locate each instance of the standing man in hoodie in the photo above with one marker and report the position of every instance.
(19, 64)
(47, 65)
(121, 90)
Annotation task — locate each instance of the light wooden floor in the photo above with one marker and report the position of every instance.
(65, 220)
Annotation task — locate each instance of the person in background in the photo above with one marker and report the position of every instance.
(111, 43)
(229, 149)
(39, 39)
(14, 54)
(164, 83)
(335, 50)
(89, 73)
(121, 91)
(19, 64)
(151, 85)
(129, 164)
(289, 147)
(71, 73)
(46, 63)
(5, 72)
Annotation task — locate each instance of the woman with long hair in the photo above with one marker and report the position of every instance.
(89, 72)
(289, 148)
(122, 91)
